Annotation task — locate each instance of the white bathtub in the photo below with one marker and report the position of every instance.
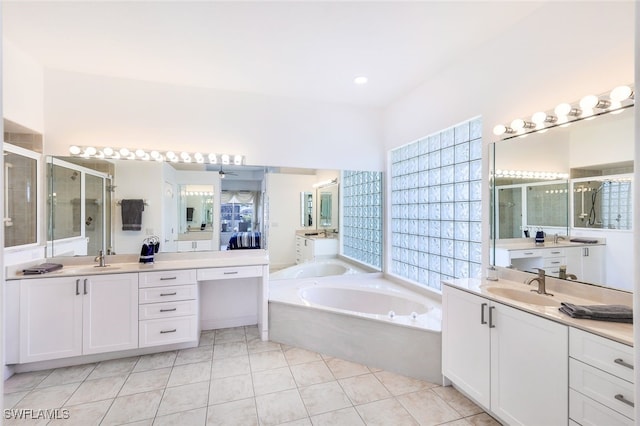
(320, 268)
(363, 318)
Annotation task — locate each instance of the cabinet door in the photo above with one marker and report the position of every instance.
(50, 318)
(592, 264)
(110, 312)
(185, 246)
(465, 343)
(529, 370)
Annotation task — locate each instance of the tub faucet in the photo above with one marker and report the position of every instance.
(541, 283)
(101, 259)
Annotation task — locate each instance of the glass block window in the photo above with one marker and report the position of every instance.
(362, 216)
(436, 223)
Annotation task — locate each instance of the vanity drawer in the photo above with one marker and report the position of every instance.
(229, 273)
(523, 254)
(167, 294)
(167, 310)
(602, 387)
(554, 262)
(605, 354)
(586, 412)
(168, 331)
(166, 278)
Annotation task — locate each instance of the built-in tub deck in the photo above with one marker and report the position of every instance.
(364, 318)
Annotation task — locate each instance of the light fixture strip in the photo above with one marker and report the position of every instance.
(109, 153)
(614, 101)
(528, 174)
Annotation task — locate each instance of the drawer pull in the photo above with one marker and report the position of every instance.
(482, 320)
(621, 362)
(528, 253)
(168, 310)
(491, 324)
(78, 287)
(168, 331)
(231, 273)
(555, 263)
(556, 252)
(85, 286)
(168, 294)
(168, 278)
(621, 398)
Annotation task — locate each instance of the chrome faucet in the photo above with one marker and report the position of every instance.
(541, 283)
(562, 274)
(101, 259)
(557, 238)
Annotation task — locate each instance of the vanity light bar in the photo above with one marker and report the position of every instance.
(527, 174)
(564, 113)
(109, 153)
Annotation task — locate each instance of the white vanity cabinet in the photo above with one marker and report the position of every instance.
(585, 262)
(168, 310)
(511, 362)
(601, 380)
(195, 245)
(70, 316)
(310, 249)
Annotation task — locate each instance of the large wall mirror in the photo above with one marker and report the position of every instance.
(573, 184)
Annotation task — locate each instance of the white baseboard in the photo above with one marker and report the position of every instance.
(214, 324)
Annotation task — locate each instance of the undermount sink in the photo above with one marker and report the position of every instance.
(524, 296)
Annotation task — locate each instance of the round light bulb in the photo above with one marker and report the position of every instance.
(154, 154)
(620, 93)
(539, 117)
(589, 102)
(500, 129)
(108, 151)
(116, 155)
(237, 160)
(517, 124)
(90, 151)
(74, 150)
(171, 155)
(140, 153)
(124, 152)
(213, 159)
(225, 159)
(563, 109)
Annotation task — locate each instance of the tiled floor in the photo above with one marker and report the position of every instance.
(233, 378)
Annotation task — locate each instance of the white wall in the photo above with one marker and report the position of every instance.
(83, 110)
(284, 214)
(23, 88)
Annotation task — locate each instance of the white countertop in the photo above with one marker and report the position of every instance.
(620, 332)
(73, 266)
(526, 245)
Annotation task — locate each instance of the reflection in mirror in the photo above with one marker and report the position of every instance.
(328, 208)
(586, 218)
(196, 208)
(325, 209)
(20, 193)
(306, 209)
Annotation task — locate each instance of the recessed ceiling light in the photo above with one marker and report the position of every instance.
(360, 80)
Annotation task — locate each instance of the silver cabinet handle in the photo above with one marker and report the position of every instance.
(528, 253)
(168, 294)
(167, 331)
(78, 287)
(482, 320)
(621, 362)
(231, 273)
(168, 278)
(168, 310)
(85, 286)
(621, 398)
(556, 252)
(491, 324)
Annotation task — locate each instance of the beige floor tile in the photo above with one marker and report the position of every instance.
(311, 373)
(97, 390)
(155, 361)
(252, 332)
(85, 414)
(24, 381)
(51, 397)
(300, 422)
(428, 408)
(300, 356)
(227, 367)
(345, 417)
(146, 422)
(385, 412)
(115, 367)
(133, 408)
(235, 413)
(11, 399)
(190, 373)
(145, 381)
(229, 335)
(184, 398)
(206, 339)
(342, 369)
(459, 422)
(482, 419)
(364, 389)
(193, 355)
(457, 401)
(324, 397)
(231, 349)
(63, 376)
(398, 385)
(280, 407)
(230, 389)
(255, 345)
(196, 417)
(267, 360)
(274, 380)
